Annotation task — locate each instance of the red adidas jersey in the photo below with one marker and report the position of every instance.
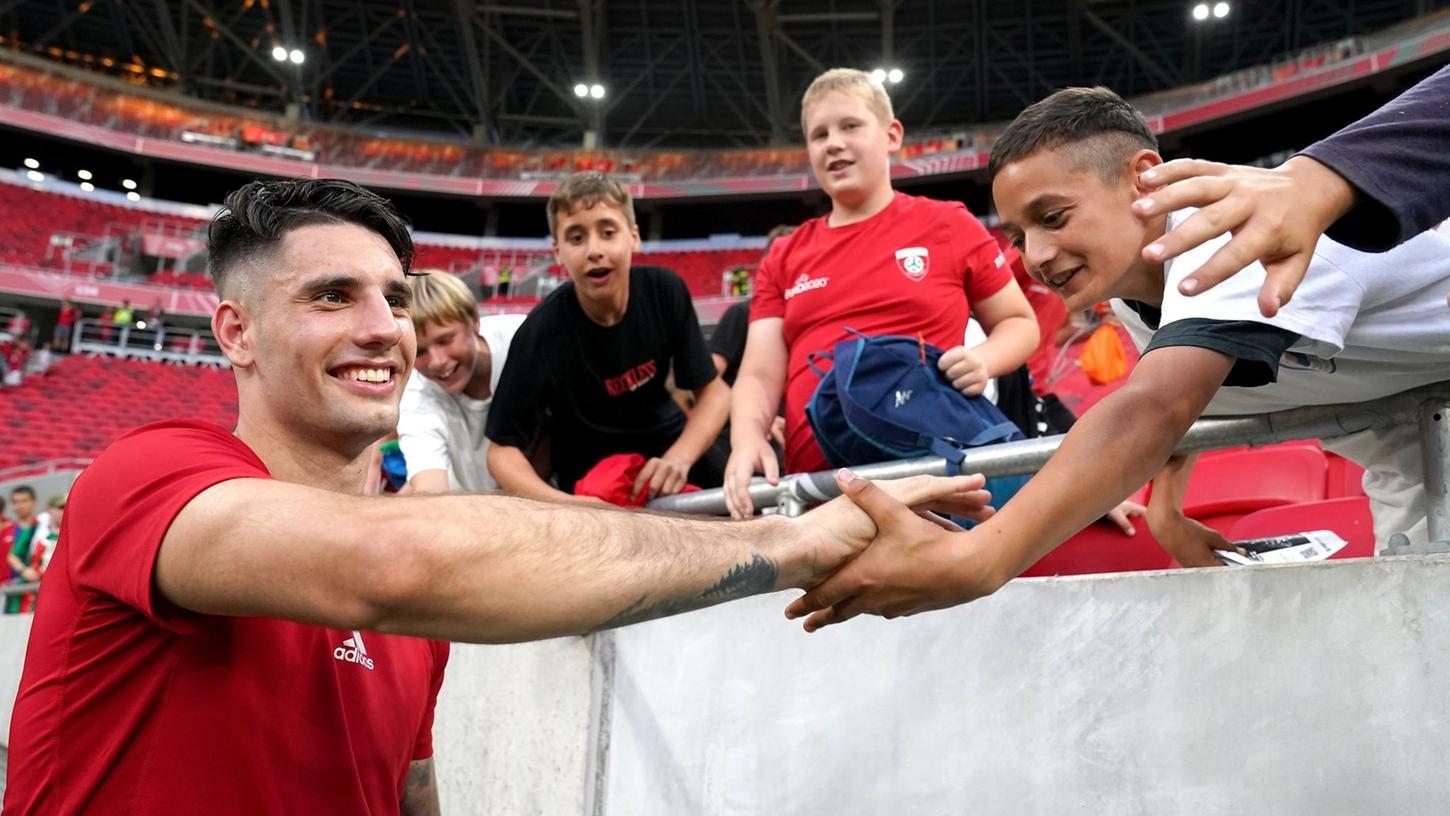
(915, 267)
(130, 704)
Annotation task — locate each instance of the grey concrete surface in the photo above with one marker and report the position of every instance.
(1315, 689)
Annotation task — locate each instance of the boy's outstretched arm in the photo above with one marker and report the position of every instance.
(915, 565)
(1190, 543)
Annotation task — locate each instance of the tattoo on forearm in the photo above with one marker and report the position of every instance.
(742, 581)
(420, 790)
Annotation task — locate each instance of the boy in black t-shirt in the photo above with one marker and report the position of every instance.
(588, 366)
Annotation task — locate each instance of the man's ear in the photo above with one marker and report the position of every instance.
(1141, 161)
(634, 237)
(231, 324)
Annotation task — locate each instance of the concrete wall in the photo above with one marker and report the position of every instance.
(1277, 690)
(1282, 690)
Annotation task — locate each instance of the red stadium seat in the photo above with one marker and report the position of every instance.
(1228, 485)
(1348, 517)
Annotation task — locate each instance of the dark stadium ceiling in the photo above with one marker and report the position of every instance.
(702, 73)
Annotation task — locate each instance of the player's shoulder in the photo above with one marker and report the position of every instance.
(182, 446)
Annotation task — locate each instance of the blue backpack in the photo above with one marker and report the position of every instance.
(885, 399)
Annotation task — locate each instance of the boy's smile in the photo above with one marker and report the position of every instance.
(1076, 232)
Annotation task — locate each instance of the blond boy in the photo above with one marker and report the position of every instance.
(881, 262)
(445, 404)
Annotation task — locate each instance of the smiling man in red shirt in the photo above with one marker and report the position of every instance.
(230, 627)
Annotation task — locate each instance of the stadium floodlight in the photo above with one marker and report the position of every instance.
(596, 91)
(133, 196)
(279, 53)
(1220, 10)
(296, 56)
(895, 75)
(88, 187)
(83, 175)
(32, 164)
(35, 176)
(128, 184)
(878, 76)
(1200, 12)
(581, 90)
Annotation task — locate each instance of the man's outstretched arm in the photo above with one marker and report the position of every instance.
(1114, 449)
(490, 568)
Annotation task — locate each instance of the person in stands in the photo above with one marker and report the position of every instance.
(588, 368)
(446, 402)
(880, 263)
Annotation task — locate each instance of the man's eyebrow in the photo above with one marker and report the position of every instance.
(315, 285)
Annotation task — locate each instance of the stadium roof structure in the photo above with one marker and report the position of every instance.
(674, 73)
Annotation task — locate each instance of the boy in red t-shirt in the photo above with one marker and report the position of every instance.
(881, 262)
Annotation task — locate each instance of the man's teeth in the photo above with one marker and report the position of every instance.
(372, 375)
(1061, 279)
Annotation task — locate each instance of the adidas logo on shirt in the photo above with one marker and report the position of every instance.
(352, 650)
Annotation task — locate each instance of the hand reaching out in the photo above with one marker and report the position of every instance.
(1276, 217)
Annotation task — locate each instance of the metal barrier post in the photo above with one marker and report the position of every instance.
(1435, 454)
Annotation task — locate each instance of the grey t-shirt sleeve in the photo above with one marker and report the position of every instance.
(1255, 347)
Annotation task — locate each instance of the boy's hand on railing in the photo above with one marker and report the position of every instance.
(916, 562)
(753, 456)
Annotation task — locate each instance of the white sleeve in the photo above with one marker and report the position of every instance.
(422, 435)
(1321, 311)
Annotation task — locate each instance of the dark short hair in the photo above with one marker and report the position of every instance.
(25, 489)
(588, 187)
(1104, 127)
(255, 218)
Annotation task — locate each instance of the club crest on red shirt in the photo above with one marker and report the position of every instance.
(913, 262)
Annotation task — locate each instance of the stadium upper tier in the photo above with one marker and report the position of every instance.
(112, 244)
(70, 102)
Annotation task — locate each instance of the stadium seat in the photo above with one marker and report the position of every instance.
(1348, 517)
(1226, 486)
(84, 403)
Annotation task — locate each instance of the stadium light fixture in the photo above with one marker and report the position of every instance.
(296, 56)
(1200, 12)
(581, 90)
(596, 91)
(279, 53)
(133, 196)
(35, 176)
(88, 187)
(878, 76)
(1220, 10)
(32, 164)
(128, 184)
(895, 75)
(83, 175)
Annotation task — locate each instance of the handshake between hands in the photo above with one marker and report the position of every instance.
(880, 549)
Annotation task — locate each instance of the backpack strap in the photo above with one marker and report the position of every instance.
(815, 356)
(995, 433)
(953, 454)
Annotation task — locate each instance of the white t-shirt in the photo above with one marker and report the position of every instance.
(1368, 324)
(440, 431)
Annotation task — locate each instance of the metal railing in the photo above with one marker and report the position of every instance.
(160, 345)
(18, 589)
(1429, 406)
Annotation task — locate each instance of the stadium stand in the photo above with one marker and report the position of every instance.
(84, 403)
